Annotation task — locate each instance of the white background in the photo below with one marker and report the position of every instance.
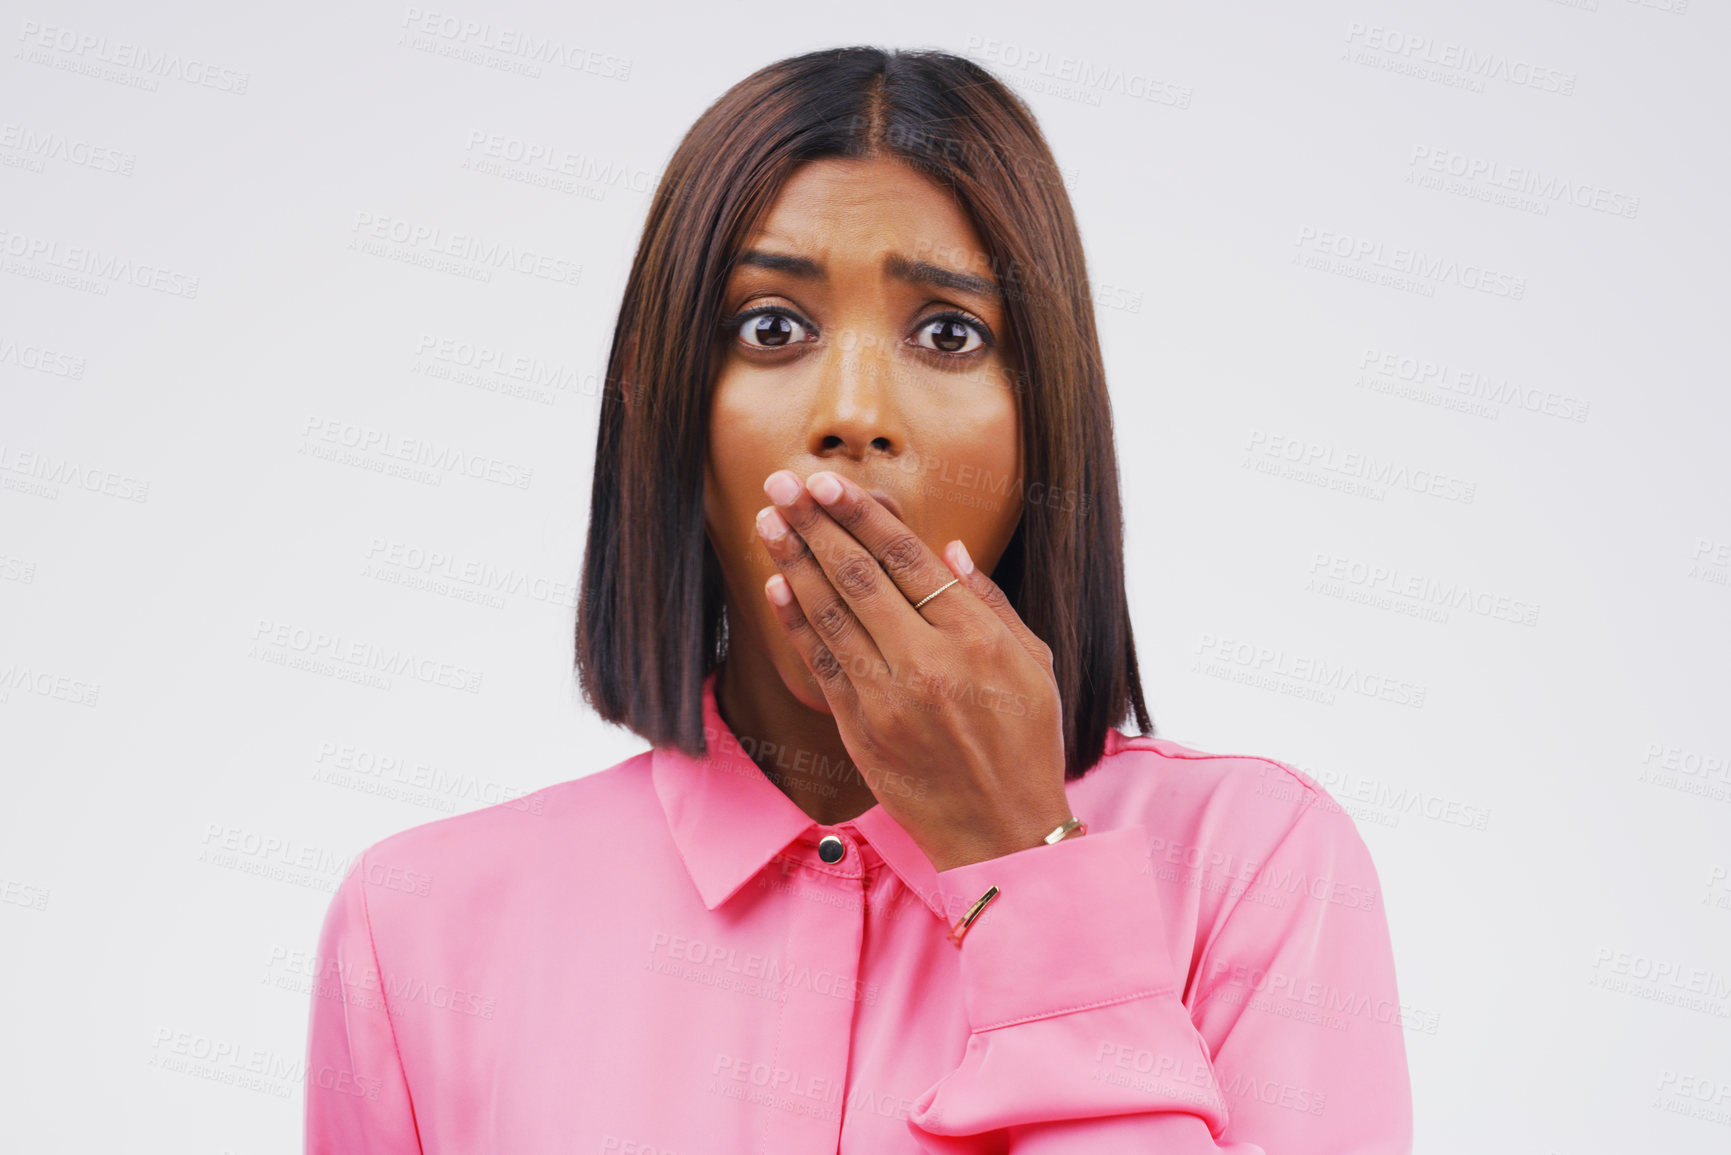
(1545, 788)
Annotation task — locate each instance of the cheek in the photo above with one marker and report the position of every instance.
(980, 468)
(742, 451)
(971, 474)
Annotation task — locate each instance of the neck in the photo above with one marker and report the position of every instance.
(797, 748)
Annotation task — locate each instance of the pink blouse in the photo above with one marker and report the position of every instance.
(655, 959)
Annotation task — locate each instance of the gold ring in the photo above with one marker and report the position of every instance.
(936, 592)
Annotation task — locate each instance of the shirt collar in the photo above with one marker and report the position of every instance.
(729, 820)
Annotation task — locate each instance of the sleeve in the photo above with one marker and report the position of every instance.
(357, 1096)
(1080, 1040)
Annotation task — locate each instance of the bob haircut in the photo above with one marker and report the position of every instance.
(650, 618)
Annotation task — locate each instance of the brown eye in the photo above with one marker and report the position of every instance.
(770, 330)
(951, 334)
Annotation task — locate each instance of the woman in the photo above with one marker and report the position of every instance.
(889, 878)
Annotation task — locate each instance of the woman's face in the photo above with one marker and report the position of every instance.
(864, 336)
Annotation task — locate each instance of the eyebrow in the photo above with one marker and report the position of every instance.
(917, 272)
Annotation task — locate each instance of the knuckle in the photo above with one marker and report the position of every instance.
(802, 515)
(978, 633)
(902, 553)
(934, 677)
(867, 669)
(831, 620)
(824, 664)
(800, 625)
(851, 517)
(857, 576)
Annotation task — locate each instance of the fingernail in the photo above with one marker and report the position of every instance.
(770, 525)
(824, 487)
(782, 487)
(962, 559)
(777, 589)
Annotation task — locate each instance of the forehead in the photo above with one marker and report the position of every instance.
(846, 210)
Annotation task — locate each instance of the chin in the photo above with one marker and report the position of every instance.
(803, 686)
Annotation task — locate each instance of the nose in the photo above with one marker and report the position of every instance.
(853, 413)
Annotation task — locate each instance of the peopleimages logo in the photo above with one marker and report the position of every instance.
(20, 468)
(87, 47)
(37, 146)
(1362, 467)
(458, 32)
(321, 651)
(1469, 383)
(1470, 62)
(559, 161)
(40, 359)
(1276, 668)
(1085, 74)
(1411, 262)
(418, 451)
(1545, 186)
(93, 262)
(374, 233)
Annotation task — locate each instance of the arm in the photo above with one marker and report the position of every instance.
(1081, 1042)
(357, 1098)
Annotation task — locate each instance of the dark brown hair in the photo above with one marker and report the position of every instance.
(650, 621)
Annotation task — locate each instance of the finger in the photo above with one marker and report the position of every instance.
(823, 608)
(994, 598)
(853, 572)
(911, 565)
(832, 680)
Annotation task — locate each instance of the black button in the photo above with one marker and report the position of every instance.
(831, 848)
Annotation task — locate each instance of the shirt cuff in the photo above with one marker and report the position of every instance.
(1076, 924)
(1073, 1007)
